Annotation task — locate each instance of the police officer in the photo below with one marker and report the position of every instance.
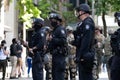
(58, 46)
(115, 44)
(37, 45)
(84, 39)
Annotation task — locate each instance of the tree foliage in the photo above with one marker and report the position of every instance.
(27, 10)
(57, 6)
(115, 5)
(44, 6)
(103, 7)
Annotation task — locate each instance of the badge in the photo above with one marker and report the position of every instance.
(42, 34)
(63, 32)
(87, 27)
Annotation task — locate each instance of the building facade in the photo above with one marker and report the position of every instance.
(8, 22)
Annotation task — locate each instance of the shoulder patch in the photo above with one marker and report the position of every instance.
(62, 31)
(42, 34)
(87, 27)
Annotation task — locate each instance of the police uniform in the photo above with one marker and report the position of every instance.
(38, 40)
(58, 46)
(58, 55)
(115, 44)
(84, 42)
(85, 36)
(115, 64)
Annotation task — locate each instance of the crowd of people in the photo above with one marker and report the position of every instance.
(64, 52)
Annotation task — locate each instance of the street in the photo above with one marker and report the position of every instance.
(103, 75)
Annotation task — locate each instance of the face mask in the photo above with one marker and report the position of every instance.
(36, 27)
(54, 24)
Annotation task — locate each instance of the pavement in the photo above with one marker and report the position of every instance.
(24, 76)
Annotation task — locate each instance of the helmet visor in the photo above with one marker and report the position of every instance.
(76, 13)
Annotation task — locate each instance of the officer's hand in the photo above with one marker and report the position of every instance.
(31, 50)
(49, 38)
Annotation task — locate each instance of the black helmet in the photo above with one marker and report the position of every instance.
(83, 7)
(117, 15)
(46, 28)
(38, 21)
(55, 16)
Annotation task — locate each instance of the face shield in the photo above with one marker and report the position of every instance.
(118, 20)
(76, 13)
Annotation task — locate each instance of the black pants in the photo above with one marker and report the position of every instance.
(3, 64)
(58, 67)
(115, 68)
(37, 67)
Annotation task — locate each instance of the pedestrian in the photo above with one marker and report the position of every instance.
(58, 42)
(13, 59)
(29, 64)
(19, 58)
(28, 57)
(84, 42)
(3, 58)
(115, 44)
(36, 47)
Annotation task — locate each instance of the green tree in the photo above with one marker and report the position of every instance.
(105, 6)
(115, 5)
(57, 6)
(44, 7)
(27, 10)
(102, 8)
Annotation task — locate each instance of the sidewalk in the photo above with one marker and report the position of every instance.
(103, 75)
(24, 75)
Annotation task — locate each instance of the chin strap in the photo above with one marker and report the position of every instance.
(81, 14)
